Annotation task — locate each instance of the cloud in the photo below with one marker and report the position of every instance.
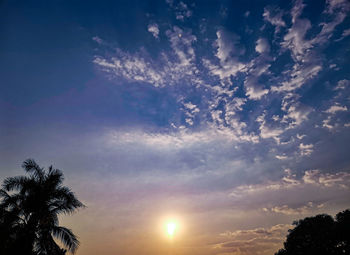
(181, 43)
(342, 84)
(326, 123)
(294, 39)
(346, 32)
(281, 157)
(304, 51)
(181, 10)
(262, 46)
(228, 46)
(169, 69)
(153, 29)
(297, 113)
(299, 75)
(332, 111)
(306, 149)
(252, 241)
(190, 111)
(97, 39)
(314, 189)
(274, 15)
(266, 131)
(208, 89)
(258, 67)
(285, 209)
(132, 68)
(336, 108)
(228, 50)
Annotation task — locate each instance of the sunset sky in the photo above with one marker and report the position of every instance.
(230, 118)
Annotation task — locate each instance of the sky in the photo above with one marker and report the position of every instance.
(230, 117)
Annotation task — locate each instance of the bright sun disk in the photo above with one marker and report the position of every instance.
(171, 227)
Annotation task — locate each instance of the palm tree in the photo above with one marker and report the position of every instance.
(29, 211)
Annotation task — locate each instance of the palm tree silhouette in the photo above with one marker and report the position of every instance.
(29, 211)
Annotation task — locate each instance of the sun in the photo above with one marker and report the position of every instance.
(171, 227)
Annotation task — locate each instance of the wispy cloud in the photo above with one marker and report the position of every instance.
(253, 241)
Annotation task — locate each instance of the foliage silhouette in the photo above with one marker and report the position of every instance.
(321, 235)
(29, 209)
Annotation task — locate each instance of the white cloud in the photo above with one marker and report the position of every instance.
(274, 16)
(190, 111)
(228, 46)
(332, 111)
(296, 112)
(252, 241)
(326, 123)
(281, 157)
(300, 74)
(314, 186)
(336, 108)
(294, 39)
(258, 67)
(154, 30)
(262, 45)
(169, 69)
(228, 49)
(254, 89)
(306, 149)
(131, 68)
(346, 32)
(300, 137)
(267, 131)
(285, 209)
(342, 84)
(304, 51)
(181, 42)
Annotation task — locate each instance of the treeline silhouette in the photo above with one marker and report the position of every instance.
(29, 209)
(319, 235)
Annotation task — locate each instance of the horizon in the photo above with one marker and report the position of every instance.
(185, 127)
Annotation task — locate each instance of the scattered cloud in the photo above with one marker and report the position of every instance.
(285, 209)
(273, 15)
(252, 241)
(336, 108)
(342, 84)
(262, 46)
(154, 30)
(306, 149)
(181, 10)
(281, 157)
(228, 50)
(97, 39)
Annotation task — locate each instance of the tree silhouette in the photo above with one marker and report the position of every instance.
(29, 211)
(321, 235)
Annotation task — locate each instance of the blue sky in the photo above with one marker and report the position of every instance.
(233, 113)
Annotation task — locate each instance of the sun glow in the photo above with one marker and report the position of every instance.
(171, 227)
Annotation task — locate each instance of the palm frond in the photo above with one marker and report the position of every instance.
(67, 237)
(16, 183)
(10, 201)
(53, 178)
(66, 198)
(31, 166)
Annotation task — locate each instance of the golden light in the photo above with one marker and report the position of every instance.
(171, 227)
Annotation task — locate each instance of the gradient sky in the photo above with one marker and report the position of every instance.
(230, 116)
